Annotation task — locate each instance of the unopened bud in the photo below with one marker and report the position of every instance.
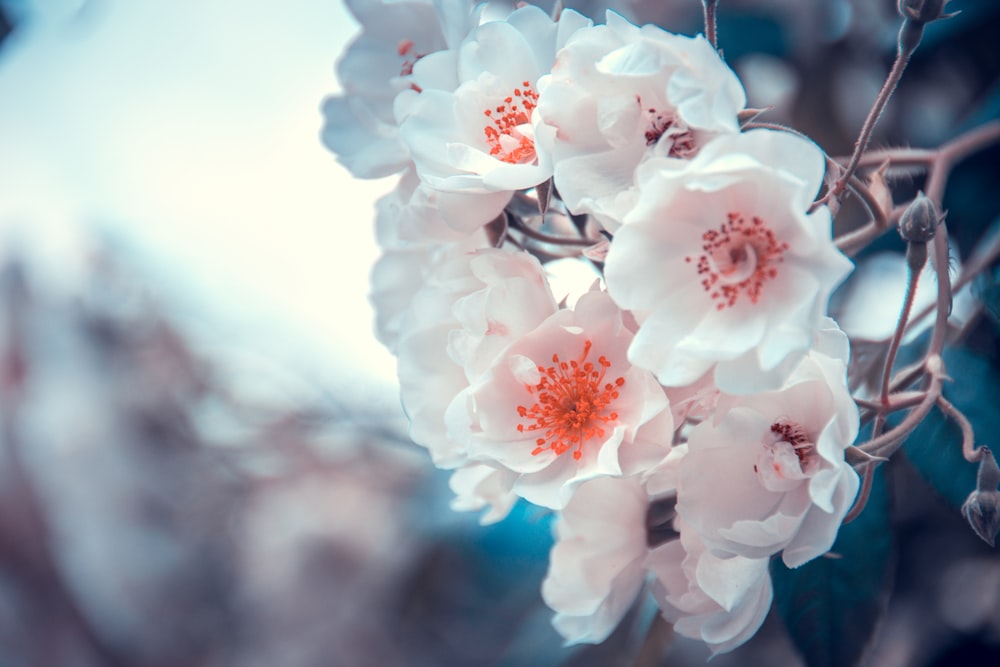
(923, 11)
(920, 220)
(982, 508)
(916, 14)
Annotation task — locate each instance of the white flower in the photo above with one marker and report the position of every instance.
(472, 128)
(722, 265)
(360, 125)
(562, 405)
(416, 214)
(767, 473)
(596, 566)
(618, 94)
(418, 228)
(477, 486)
(470, 307)
(721, 601)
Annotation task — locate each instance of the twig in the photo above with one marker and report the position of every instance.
(897, 337)
(710, 23)
(891, 81)
(971, 453)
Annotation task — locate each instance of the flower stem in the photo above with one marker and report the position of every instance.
(710, 23)
(891, 81)
(657, 639)
(897, 337)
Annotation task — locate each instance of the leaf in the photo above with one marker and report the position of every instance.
(831, 605)
(935, 447)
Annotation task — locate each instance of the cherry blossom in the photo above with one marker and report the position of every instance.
(720, 600)
(618, 94)
(767, 472)
(596, 566)
(360, 125)
(470, 307)
(562, 404)
(473, 126)
(721, 263)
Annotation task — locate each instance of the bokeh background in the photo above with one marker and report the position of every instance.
(203, 461)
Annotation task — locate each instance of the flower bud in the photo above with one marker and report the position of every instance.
(916, 14)
(982, 508)
(920, 220)
(923, 11)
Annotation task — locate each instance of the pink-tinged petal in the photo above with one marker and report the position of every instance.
(595, 568)
(819, 528)
(477, 486)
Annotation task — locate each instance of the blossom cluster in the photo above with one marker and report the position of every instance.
(688, 414)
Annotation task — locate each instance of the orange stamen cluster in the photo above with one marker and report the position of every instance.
(572, 404)
(505, 140)
(728, 249)
(796, 437)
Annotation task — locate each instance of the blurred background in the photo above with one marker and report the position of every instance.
(203, 461)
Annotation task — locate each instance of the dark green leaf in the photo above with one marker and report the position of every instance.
(831, 605)
(935, 448)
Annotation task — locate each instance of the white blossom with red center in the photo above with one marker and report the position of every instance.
(474, 125)
(619, 94)
(596, 566)
(562, 405)
(470, 307)
(360, 124)
(723, 266)
(720, 600)
(767, 472)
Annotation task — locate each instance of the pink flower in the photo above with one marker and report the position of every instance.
(618, 94)
(473, 127)
(722, 265)
(720, 600)
(767, 473)
(596, 566)
(470, 307)
(360, 125)
(562, 405)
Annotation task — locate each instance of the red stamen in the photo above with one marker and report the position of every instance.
(736, 248)
(572, 404)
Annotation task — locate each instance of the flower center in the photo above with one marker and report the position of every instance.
(510, 136)
(571, 404)
(406, 50)
(659, 123)
(797, 438)
(786, 458)
(738, 259)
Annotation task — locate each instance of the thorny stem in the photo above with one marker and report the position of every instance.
(710, 23)
(868, 476)
(938, 162)
(971, 453)
(891, 81)
(894, 402)
(976, 265)
(897, 337)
